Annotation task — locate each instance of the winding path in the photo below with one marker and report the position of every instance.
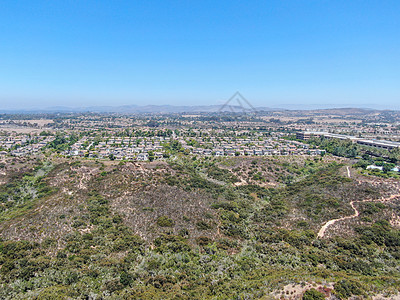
(321, 232)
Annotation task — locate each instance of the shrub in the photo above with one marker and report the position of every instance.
(203, 240)
(164, 221)
(346, 288)
(202, 225)
(313, 294)
(125, 279)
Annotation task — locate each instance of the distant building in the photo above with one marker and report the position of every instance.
(373, 167)
(303, 136)
(219, 153)
(306, 135)
(389, 145)
(142, 157)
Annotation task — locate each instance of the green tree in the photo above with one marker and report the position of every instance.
(387, 167)
(394, 155)
(151, 155)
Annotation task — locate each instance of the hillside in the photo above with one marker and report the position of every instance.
(207, 228)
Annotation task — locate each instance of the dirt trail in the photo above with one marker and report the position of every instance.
(348, 171)
(323, 229)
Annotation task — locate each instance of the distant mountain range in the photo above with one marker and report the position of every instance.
(132, 109)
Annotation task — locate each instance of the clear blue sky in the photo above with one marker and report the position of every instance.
(299, 54)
